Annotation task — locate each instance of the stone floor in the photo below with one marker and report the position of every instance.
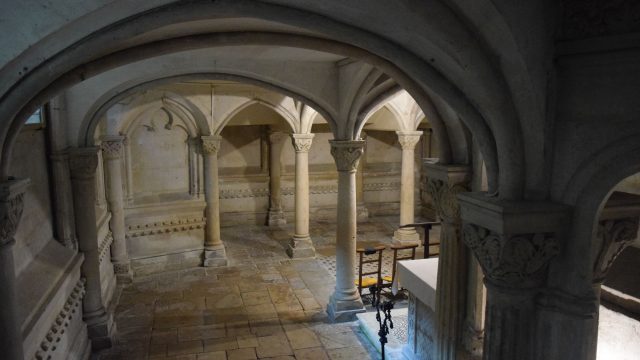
(262, 306)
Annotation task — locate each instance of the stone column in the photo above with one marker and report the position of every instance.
(128, 170)
(62, 200)
(513, 242)
(11, 205)
(444, 183)
(112, 151)
(408, 141)
(345, 301)
(214, 252)
(362, 211)
(276, 215)
(83, 164)
(300, 245)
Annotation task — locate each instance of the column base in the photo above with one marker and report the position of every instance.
(215, 257)
(345, 309)
(362, 212)
(301, 247)
(276, 218)
(406, 236)
(123, 272)
(100, 328)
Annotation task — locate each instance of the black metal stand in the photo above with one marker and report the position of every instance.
(385, 307)
(427, 227)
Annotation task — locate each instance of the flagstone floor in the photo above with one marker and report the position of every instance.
(262, 306)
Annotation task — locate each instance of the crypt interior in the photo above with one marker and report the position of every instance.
(204, 179)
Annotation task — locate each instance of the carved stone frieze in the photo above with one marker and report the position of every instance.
(408, 139)
(243, 193)
(11, 206)
(103, 249)
(302, 142)
(71, 309)
(513, 260)
(83, 163)
(590, 18)
(445, 198)
(615, 235)
(347, 153)
(211, 144)
(165, 227)
(112, 148)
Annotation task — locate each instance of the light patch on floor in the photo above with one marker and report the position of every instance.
(618, 336)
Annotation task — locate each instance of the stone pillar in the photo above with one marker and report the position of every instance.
(362, 211)
(214, 252)
(112, 149)
(62, 200)
(300, 245)
(444, 184)
(83, 163)
(345, 301)
(128, 170)
(513, 242)
(11, 205)
(408, 141)
(276, 215)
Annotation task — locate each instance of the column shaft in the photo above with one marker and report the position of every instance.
(301, 244)
(112, 148)
(408, 141)
(62, 199)
(345, 301)
(362, 211)
(214, 251)
(276, 215)
(11, 205)
(83, 164)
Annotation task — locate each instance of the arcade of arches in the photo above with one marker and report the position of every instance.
(192, 179)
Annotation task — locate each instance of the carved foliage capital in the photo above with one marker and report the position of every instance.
(11, 206)
(408, 139)
(512, 260)
(210, 144)
(445, 198)
(614, 235)
(112, 148)
(83, 162)
(347, 154)
(302, 142)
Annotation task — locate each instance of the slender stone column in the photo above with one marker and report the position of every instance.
(112, 149)
(128, 170)
(214, 252)
(300, 245)
(11, 205)
(514, 243)
(63, 203)
(83, 163)
(362, 211)
(276, 215)
(345, 301)
(408, 141)
(444, 184)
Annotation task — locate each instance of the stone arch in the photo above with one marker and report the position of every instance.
(496, 124)
(290, 118)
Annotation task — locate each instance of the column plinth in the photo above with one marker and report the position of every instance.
(214, 251)
(513, 243)
(408, 141)
(112, 153)
(345, 302)
(301, 245)
(275, 216)
(83, 163)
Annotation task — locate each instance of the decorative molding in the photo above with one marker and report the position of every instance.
(165, 227)
(591, 18)
(103, 249)
(615, 235)
(83, 163)
(408, 139)
(382, 186)
(347, 153)
(445, 198)
(57, 330)
(302, 142)
(120, 269)
(243, 193)
(11, 207)
(516, 260)
(210, 144)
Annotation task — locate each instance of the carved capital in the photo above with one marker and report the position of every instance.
(112, 147)
(302, 142)
(11, 206)
(211, 144)
(513, 260)
(408, 139)
(445, 198)
(347, 153)
(614, 235)
(83, 162)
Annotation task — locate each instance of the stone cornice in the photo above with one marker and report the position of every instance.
(347, 153)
